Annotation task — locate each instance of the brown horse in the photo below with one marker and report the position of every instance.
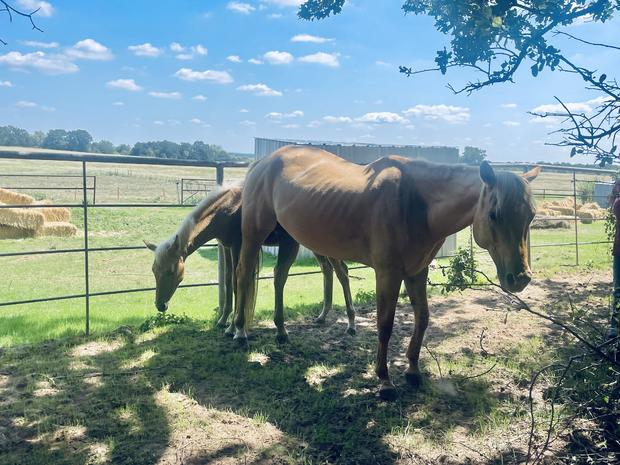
(218, 216)
(393, 215)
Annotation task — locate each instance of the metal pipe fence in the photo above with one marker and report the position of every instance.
(85, 206)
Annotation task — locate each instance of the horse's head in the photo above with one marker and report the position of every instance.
(169, 270)
(501, 223)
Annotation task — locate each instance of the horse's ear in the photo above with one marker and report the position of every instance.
(175, 246)
(531, 174)
(487, 174)
(150, 245)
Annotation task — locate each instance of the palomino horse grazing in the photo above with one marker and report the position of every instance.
(218, 216)
(392, 215)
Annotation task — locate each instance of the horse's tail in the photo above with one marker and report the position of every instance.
(253, 292)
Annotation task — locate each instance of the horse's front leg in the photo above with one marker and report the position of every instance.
(342, 272)
(287, 252)
(416, 288)
(328, 286)
(388, 285)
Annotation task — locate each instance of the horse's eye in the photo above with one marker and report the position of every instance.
(493, 216)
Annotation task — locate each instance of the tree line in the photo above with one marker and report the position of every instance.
(82, 141)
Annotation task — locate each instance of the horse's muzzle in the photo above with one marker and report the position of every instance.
(161, 307)
(516, 283)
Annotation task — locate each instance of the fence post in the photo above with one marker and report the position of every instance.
(94, 190)
(576, 220)
(221, 259)
(86, 276)
(182, 191)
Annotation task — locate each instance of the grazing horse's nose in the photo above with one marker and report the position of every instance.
(519, 282)
(161, 307)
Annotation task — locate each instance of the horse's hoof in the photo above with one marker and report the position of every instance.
(229, 334)
(282, 338)
(388, 392)
(242, 343)
(351, 331)
(414, 380)
(220, 324)
(320, 320)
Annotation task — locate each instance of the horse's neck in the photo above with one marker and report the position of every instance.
(198, 228)
(452, 194)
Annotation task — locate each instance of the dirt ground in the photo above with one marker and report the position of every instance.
(183, 395)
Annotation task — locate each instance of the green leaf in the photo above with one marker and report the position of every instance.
(497, 21)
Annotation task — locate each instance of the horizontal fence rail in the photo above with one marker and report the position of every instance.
(85, 206)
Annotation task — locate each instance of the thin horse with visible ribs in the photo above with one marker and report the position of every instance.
(393, 215)
(218, 216)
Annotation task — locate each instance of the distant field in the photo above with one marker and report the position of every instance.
(52, 275)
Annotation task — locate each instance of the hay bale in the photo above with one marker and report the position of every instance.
(54, 213)
(22, 218)
(563, 210)
(11, 232)
(590, 206)
(14, 198)
(550, 223)
(57, 228)
(545, 212)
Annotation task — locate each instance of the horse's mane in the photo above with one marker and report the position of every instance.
(512, 190)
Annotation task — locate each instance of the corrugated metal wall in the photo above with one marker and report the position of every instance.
(363, 154)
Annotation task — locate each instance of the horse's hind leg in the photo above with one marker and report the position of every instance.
(234, 256)
(342, 272)
(416, 288)
(328, 286)
(229, 279)
(287, 252)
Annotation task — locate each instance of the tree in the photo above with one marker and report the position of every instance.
(103, 146)
(123, 149)
(79, 140)
(11, 11)
(496, 38)
(473, 156)
(56, 139)
(12, 136)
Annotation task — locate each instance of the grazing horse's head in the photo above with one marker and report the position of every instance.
(169, 270)
(501, 224)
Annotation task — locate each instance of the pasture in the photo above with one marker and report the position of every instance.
(174, 391)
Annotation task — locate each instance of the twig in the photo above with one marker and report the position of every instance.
(434, 358)
(10, 10)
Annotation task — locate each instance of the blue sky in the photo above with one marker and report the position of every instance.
(226, 71)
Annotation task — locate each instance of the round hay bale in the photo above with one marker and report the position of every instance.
(590, 206)
(13, 198)
(563, 210)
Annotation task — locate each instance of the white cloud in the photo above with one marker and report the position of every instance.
(244, 110)
(275, 15)
(200, 50)
(125, 84)
(383, 63)
(262, 90)
(158, 123)
(220, 77)
(240, 7)
(276, 57)
(290, 126)
(166, 95)
(449, 113)
(37, 44)
(310, 38)
(89, 49)
(185, 56)
(195, 121)
(509, 105)
(177, 47)
(511, 123)
(382, 117)
(234, 58)
(40, 62)
(28, 104)
(335, 120)
(247, 123)
(145, 50)
(274, 115)
(45, 8)
(285, 3)
(557, 109)
(6, 84)
(322, 58)
(199, 98)
(118, 104)
(255, 61)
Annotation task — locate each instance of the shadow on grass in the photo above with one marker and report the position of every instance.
(318, 391)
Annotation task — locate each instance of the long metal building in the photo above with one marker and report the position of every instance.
(363, 154)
